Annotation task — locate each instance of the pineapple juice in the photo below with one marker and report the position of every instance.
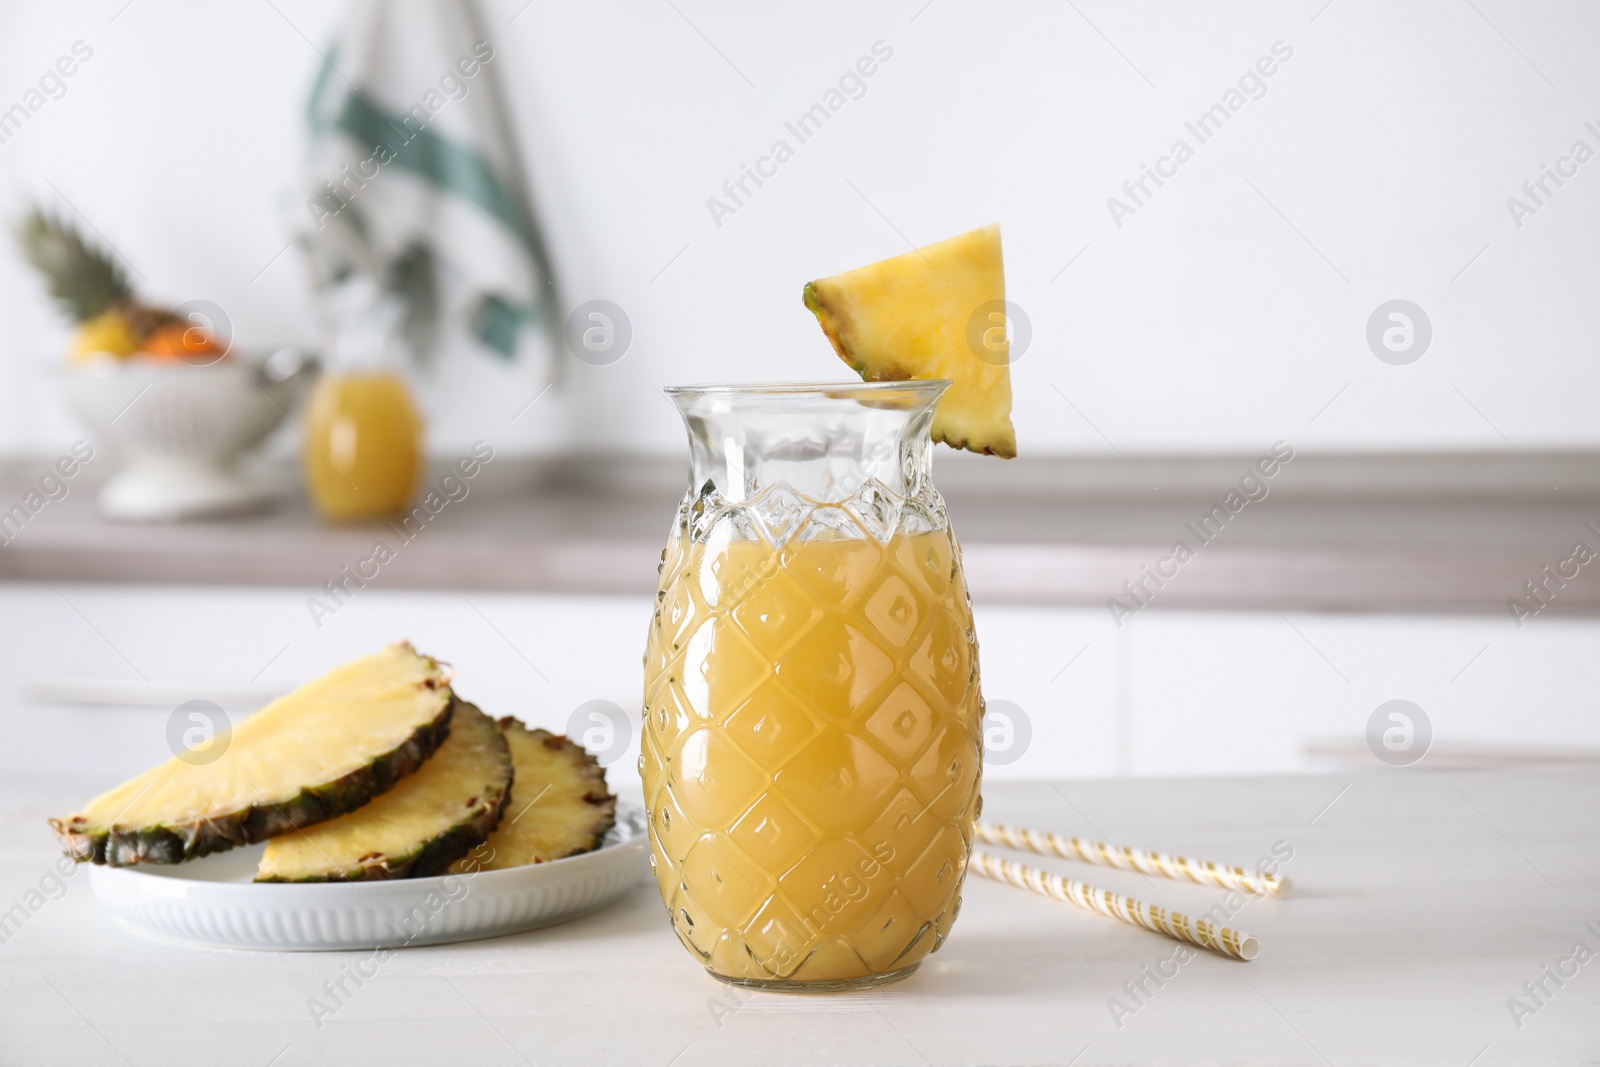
(811, 753)
(364, 445)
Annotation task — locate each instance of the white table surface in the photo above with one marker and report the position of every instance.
(1423, 901)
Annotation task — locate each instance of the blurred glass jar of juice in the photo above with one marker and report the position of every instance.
(363, 453)
(364, 450)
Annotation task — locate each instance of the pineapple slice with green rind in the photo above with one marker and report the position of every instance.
(325, 749)
(559, 804)
(418, 828)
(936, 312)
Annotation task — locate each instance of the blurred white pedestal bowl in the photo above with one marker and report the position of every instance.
(182, 429)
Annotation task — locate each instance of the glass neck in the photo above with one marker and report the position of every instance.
(846, 455)
(366, 331)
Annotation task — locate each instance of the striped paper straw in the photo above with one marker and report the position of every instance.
(1199, 932)
(1100, 854)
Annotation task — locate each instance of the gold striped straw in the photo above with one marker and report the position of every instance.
(1220, 939)
(1256, 883)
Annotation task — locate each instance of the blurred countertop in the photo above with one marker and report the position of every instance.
(1442, 533)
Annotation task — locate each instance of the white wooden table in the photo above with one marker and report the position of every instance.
(1423, 903)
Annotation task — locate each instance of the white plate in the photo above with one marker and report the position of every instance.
(212, 901)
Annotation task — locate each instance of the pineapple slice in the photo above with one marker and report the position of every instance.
(323, 750)
(559, 805)
(931, 313)
(419, 827)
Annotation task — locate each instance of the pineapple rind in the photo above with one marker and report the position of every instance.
(123, 847)
(591, 809)
(162, 842)
(434, 854)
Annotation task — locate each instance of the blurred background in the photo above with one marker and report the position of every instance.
(1373, 250)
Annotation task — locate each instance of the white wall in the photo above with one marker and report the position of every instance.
(1389, 143)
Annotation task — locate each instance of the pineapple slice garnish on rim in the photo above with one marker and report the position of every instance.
(325, 749)
(935, 312)
(419, 827)
(559, 804)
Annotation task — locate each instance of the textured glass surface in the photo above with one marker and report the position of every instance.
(811, 751)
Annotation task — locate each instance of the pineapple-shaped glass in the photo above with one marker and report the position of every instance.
(812, 740)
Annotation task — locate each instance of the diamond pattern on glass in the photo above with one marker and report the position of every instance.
(775, 936)
(771, 726)
(776, 617)
(714, 781)
(901, 724)
(897, 924)
(779, 510)
(877, 509)
(726, 895)
(811, 750)
(830, 522)
(895, 610)
(773, 834)
(838, 780)
(835, 676)
(833, 881)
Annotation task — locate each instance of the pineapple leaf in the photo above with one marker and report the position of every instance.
(83, 279)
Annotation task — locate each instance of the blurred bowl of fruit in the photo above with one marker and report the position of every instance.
(181, 431)
(164, 388)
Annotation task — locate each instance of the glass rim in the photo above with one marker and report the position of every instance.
(828, 390)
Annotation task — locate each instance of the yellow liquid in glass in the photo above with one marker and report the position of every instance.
(811, 753)
(365, 446)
